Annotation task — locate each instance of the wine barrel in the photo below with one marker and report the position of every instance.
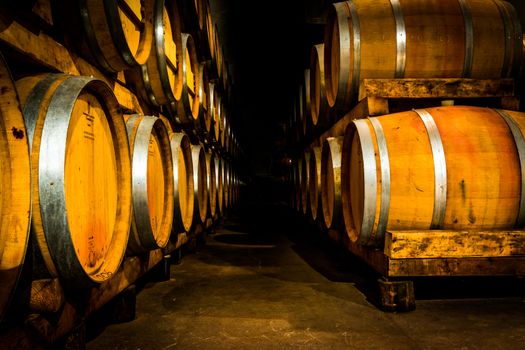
(210, 34)
(314, 184)
(418, 39)
(15, 185)
(300, 116)
(319, 108)
(456, 168)
(162, 74)
(223, 124)
(217, 115)
(152, 183)
(183, 182)
(200, 206)
(212, 111)
(203, 122)
(219, 175)
(119, 34)
(226, 185)
(188, 106)
(305, 178)
(306, 119)
(211, 184)
(331, 182)
(81, 176)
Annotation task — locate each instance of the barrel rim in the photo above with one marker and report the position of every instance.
(145, 128)
(22, 170)
(54, 136)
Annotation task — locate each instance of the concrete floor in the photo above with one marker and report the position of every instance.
(271, 284)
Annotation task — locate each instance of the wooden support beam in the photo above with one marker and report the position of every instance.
(436, 88)
(453, 244)
(45, 51)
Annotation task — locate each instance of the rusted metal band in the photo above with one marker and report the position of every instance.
(401, 38)
(440, 168)
(519, 140)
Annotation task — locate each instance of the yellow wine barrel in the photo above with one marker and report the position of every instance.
(217, 115)
(319, 108)
(300, 116)
(219, 175)
(418, 39)
(211, 184)
(162, 75)
(223, 120)
(218, 53)
(194, 15)
(15, 187)
(81, 176)
(188, 106)
(183, 182)
(203, 121)
(331, 182)
(314, 184)
(119, 34)
(225, 186)
(305, 178)
(152, 183)
(200, 203)
(454, 168)
(212, 111)
(210, 35)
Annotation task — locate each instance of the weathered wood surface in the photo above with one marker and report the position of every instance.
(419, 267)
(454, 244)
(436, 88)
(39, 330)
(44, 50)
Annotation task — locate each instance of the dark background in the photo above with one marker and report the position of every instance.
(266, 46)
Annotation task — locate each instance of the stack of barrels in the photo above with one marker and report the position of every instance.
(89, 182)
(445, 167)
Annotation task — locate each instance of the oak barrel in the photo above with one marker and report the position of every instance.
(219, 176)
(119, 34)
(298, 172)
(15, 187)
(188, 106)
(200, 191)
(418, 39)
(331, 182)
(152, 183)
(305, 178)
(183, 182)
(319, 108)
(81, 176)
(454, 168)
(203, 121)
(314, 183)
(211, 184)
(162, 74)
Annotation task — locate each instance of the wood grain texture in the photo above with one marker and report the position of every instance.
(15, 188)
(436, 88)
(483, 180)
(454, 244)
(435, 43)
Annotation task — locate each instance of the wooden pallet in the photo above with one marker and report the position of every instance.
(436, 253)
(42, 329)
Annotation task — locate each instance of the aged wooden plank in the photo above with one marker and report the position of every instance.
(449, 244)
(436, 88)
(481, 266)
(45, 51)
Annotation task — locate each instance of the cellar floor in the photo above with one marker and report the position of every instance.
(265, 281)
